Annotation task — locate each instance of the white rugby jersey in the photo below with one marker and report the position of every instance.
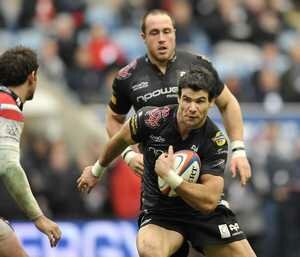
(11, 122)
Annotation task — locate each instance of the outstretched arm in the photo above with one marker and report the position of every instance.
(233, 122)
(92, 174)
(130, 155)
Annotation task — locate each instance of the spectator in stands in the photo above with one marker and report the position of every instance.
(291, 78)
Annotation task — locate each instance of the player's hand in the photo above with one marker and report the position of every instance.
(165, 163)
(87, 181)
(241, 165)
(137, 164)
(49, 228)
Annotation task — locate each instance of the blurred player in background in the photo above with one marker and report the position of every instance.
(18, 81)
(199, 214)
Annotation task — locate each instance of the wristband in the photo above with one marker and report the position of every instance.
(238, 149)
(128, 154)
(173, 179)
(98, 170)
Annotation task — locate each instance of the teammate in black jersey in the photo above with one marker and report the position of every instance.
(152, 80)
(199, 214)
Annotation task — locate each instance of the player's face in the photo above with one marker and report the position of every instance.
(159, 37)
(32, 83)
(193, 108)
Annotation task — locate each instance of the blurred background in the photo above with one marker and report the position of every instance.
(254, 45)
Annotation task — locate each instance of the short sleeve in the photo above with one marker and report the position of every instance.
(120, 100)
(215, 155)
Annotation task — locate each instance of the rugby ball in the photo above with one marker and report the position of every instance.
(187, 165)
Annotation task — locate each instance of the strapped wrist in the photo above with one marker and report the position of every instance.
(238, 149)
(173, 179)
(98, 170)
(128, 154)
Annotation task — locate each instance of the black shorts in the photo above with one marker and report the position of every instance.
(221, 227)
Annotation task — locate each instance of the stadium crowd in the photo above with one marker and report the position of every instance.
(254, 45)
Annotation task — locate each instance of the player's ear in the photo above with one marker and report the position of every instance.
(143, 35)
(32, 77)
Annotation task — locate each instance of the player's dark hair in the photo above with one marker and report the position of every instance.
(155, 12)
(16, 64)
(198, 78)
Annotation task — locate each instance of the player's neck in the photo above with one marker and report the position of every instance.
(20, 91)
(161, 65)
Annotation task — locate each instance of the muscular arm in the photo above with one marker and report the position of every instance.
(114, 122)
(17, 185)
(203, 196)
(233, 121)
(116, 145)
(231, 114)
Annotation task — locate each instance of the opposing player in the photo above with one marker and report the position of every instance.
(199, 214)
(151, 80)
(18, 80)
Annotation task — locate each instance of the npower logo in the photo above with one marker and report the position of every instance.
(163, 91)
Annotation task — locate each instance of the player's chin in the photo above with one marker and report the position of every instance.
(163, 56)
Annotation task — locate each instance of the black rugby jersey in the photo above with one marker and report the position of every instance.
(141, 83)
(156, 128)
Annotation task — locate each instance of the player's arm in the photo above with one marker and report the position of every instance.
(114, 121)
(233, 122)
(231, 114)
(203, 196)
(114, 147)
(116, 113)
(16, 182)
(17, 185)
(117, 144)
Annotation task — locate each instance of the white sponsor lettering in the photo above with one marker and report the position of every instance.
(163, 91)
(141, 85)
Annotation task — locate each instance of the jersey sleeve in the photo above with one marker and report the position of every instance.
(215, 155)
(120, 100)
(208, 65)
(138, 127)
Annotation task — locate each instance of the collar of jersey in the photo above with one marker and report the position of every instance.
(17, 99)
(173, 59)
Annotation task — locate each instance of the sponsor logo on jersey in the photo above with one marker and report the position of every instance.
(125, 73)
(235, 229)
(154, 116)
(155, 151)
(141, 85)
(158, 92)
(224, 231)
(219, 139)
(158, 139)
